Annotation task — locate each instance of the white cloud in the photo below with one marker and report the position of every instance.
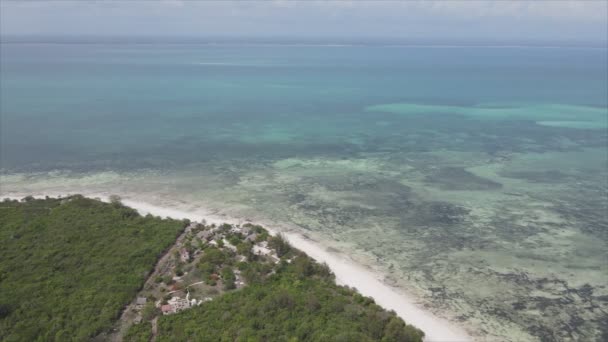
(462, 19)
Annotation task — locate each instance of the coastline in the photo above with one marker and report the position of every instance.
(347, 272)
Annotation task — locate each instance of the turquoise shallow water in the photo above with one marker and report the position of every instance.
(172, 103)
(475, 177)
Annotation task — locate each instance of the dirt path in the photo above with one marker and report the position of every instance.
(161, 267)
(154, 329)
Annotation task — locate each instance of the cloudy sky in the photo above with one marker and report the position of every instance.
(449, 19)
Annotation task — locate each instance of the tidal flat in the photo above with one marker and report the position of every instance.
(519, 261)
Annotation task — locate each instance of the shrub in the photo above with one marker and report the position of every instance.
(280, 244)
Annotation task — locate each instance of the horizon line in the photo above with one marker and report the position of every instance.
(299, 40)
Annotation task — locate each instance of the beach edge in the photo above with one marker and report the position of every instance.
(347, 271)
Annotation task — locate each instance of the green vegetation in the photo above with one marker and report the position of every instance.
(211, 263)
(141, 332)
(228, 278)
(299, 302)
(279, 244)
(69, 266)
(149, 311)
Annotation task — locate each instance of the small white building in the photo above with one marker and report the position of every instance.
(179, 304)
(252, 237)
(184, 255)
(205, 235)
(140, 302)
(167, 309)
(260, 250)
(241, 258)
(229, 245)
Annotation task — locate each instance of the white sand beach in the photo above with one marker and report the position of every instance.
(347, 271)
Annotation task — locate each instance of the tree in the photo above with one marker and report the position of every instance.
(396, 330)
(168, 280)
(149, 311)
(244, 249)
(116, 201)
(206, 268)
(280, 244)
(304, 267)
(81, 244)
(214, 256)
(228, 278)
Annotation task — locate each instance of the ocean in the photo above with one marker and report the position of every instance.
(474, 177)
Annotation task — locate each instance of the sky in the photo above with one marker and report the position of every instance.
(508, 20)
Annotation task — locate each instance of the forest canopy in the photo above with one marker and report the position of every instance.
(68, 266)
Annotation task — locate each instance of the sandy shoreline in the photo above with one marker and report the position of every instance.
(347, 272)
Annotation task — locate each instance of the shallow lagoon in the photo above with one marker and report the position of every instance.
(480, 185)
